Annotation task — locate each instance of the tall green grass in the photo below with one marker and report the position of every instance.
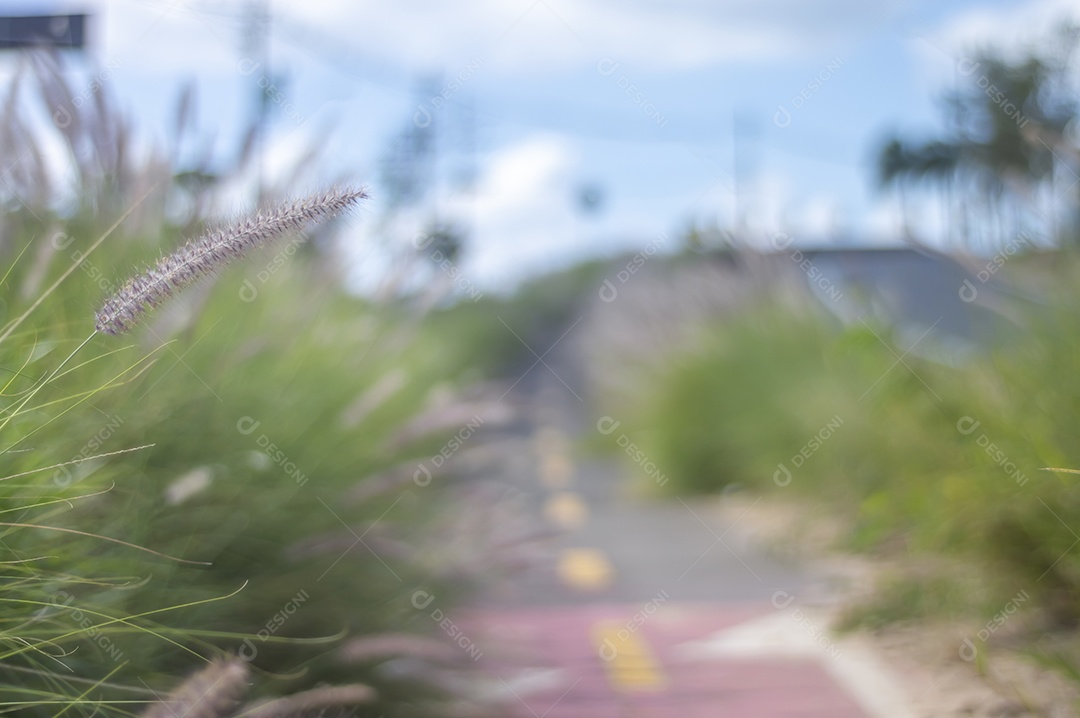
(233, 477)
(247, 404)
(914, 454)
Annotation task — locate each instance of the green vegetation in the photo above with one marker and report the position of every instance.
(234, 477)
(903, 598)
(482, 333)
(1005, 139)
(247, 408)
(919, 456)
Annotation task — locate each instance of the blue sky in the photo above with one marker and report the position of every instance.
(547, 84)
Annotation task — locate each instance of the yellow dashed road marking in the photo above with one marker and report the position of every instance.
(630, 664)
(580, 569)
(566, 509)
(584, 569)
(555, 470)
(549, 440)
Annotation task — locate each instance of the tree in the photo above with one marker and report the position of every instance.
(899, 163)
(1007, 141)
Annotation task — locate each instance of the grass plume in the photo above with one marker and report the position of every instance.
(202, 256)
(311, 702)
(213, 692)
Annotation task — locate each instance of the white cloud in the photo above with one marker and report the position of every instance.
(511, 37)
(166, 38)
(519, 219)
(524, 175)
(884, 218)
(522, 216)
(819, 216)
(1012, 28)
(771, 195)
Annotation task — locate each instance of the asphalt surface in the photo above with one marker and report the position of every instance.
(682, 547)
(642, 606)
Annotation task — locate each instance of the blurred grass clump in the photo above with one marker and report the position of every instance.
(234, 478)
(920, 456)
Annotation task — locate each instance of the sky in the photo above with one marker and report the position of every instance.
(654, 103)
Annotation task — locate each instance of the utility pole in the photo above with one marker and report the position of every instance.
(742, 166)
(257, 48)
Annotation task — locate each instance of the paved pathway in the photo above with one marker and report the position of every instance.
(643, 607)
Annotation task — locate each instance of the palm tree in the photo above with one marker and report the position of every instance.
(1008, 137)
(900, 164)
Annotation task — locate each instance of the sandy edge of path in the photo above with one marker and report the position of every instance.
(926, 658)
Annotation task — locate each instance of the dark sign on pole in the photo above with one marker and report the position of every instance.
(48, 30)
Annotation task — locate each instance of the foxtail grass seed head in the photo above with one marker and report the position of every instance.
(202, 256)
(314, 702)
(212, 692)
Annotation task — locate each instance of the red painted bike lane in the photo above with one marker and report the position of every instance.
(682, 660)
(641, 605)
